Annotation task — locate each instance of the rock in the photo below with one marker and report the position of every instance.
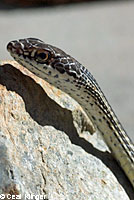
(47, 147)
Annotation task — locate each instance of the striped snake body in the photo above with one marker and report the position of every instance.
(67, 74)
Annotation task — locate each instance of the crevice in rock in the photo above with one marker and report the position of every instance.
(11, 174)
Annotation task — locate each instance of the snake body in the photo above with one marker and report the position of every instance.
(67, 74)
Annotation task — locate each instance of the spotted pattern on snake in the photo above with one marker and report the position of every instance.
(67, 74)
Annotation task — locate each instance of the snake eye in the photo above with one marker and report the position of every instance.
(42, 56)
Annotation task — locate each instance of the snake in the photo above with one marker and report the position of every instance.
(67, 74)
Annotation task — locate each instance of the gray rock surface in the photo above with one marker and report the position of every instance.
(45, 145)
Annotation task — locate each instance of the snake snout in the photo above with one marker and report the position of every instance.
(14, 47)
(9, 46)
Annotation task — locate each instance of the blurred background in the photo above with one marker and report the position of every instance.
(99, 34)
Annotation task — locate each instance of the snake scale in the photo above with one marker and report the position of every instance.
(67, 74)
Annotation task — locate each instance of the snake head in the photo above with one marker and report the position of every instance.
(38, 56)
(51, 64)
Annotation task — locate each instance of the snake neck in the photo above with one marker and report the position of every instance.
(103, 117)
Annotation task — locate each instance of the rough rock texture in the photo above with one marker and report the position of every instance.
(46, 146)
